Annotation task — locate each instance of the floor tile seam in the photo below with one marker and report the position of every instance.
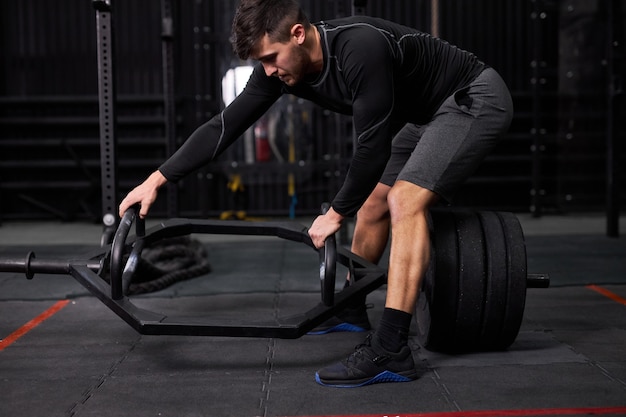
(271, 343)
(90, 391)
(487, 363)
(443, 389)
(608, 374)
(580, 285)
(86, 294)
(267, 377)
(491, 366)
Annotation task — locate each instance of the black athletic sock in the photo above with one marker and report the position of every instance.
(393, 329)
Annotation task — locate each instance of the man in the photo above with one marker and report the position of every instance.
(442, 107)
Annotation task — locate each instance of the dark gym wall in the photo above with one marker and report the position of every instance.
(49, 149)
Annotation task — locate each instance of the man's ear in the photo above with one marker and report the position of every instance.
(298, 33)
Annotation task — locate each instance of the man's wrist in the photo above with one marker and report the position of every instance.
(334, 215)
(157, 179)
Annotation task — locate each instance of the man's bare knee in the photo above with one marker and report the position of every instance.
(407, 199)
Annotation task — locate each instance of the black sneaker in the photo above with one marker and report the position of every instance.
(369, 364)
(348, 320)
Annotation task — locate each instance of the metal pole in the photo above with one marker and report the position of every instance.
(107, 118)
(169, 103)
(537, 130)
(358, 7)
(613, 82)
(434, 18)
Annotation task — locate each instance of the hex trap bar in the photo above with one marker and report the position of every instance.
(91, 273)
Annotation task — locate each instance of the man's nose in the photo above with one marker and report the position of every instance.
(269, 69)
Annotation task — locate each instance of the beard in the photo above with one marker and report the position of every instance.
(298, 67)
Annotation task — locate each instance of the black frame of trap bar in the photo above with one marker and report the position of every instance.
(91, 274)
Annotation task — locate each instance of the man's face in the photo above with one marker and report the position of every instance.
(286, 61)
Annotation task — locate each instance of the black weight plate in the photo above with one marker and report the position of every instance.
(516, 269)
(496, 281)
(328, 268)
(471, 279)
(328, 265)
(445, 295)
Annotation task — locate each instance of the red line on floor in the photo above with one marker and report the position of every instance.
(505, 413)
(607, 293)
(10, 339)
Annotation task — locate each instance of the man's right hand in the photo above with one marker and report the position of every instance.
(144, 194)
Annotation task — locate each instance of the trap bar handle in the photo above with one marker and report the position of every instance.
(117, 266)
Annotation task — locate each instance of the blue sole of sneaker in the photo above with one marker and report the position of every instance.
(382, 377)
(343, 327)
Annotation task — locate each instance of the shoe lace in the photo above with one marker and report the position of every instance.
(359, 349)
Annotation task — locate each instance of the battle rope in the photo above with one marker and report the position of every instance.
(169, 261)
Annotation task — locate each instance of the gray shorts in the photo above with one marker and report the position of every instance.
(442, 154)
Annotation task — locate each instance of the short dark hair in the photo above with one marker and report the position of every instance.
(254, 18)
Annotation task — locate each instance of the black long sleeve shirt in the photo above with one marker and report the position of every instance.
(383, 74)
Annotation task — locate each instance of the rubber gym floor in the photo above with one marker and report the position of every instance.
(64, 353)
